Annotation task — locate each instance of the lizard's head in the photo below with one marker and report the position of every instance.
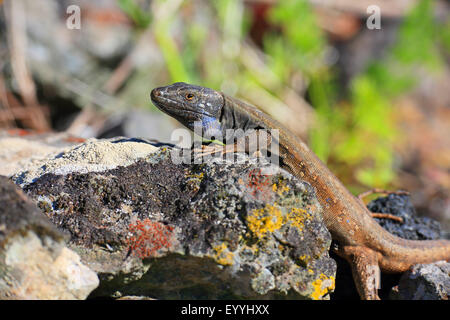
(189, 104)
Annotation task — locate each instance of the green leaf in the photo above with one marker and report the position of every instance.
(141, 18)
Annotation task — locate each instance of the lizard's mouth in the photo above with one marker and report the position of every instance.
(174, 107)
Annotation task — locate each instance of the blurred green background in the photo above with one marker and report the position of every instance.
(373, 104)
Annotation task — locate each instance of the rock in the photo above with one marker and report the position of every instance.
(134, 298)
(240, 229)
(91, 156)
(424, 282)
(413, 226)
(21, 149)
(34, 261)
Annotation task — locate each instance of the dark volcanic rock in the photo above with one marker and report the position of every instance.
(413, 226)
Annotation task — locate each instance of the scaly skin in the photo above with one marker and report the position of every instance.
(362, 241)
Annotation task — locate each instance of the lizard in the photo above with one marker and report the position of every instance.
(368, 248)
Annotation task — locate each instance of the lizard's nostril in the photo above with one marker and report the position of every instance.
(155, 93)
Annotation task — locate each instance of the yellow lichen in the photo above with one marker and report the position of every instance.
(322, 286)
(280, 189)
(198, 176)
(304, 259)
(222, 255)
(270, 218)
(264, 220)
(193, 180)
(297, 217)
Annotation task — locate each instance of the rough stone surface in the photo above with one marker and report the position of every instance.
(424, 282)
(34, 261)
(90, 156)
(219, 229)
(413, 227)
(20, 149)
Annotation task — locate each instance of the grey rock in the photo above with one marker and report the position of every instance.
(240, 229)
(424, 282)
(91, 156)
(20, 149)
(34, 261)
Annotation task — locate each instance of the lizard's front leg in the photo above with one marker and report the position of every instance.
(252, 143)
(365, 270)
(213, 149)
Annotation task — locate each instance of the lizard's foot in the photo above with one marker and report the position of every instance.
(387, 216)
(257, 154)
(382, 215)
(212, 150)
(361, 196)
(365, 270)
(207, 150)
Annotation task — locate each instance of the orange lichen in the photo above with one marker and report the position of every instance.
(257, 181)
(148, 237)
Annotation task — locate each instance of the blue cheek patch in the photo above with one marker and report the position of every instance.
(211, 127)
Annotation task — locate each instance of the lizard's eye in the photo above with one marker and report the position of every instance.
(189, 96)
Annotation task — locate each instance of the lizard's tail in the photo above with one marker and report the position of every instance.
(398, 255)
